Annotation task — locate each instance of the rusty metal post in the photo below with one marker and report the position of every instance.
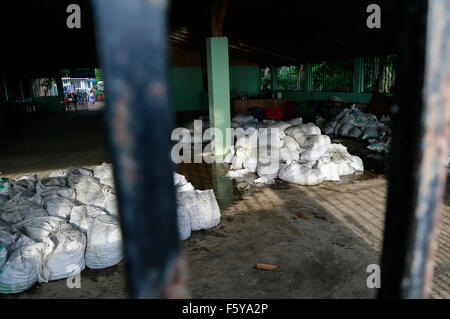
(132, 45)
(420, 147)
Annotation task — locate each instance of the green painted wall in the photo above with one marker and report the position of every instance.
(186, 85)
(245, 79)
(186, 89)
(187, 92)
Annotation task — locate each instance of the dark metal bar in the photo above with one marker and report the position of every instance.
(420, 145)
(132, 42)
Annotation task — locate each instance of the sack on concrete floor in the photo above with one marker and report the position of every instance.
(268, 161)
(355, 132)
(59, 206)
(3, 255)
(104, 173)
(245, 159)
(67, 257)
(104, 238)
(330, 170)
(336, 129)
(18, 209)
(3, 199)
(337, 162)
(8, 235)
(301, 174)
(313, 154)
(265, 180)
(309, 142)
(22, 193)
(29, 176)
(20, 271)
(228, 158)
(5, 186)
(90, 191)
(295, 121)
(55, 186)
(73, 170)
(370, 132)
(65, 192)
(246, 152)
(50, 182)
(281, 126)
(202, 207)
(65, 246)
(183, 219)
(238, 173)
(25, 184)
(329, 128)
(379, 147)
(297, 131)
(291, 144)
(357, 163)
(344, 130)
(181, 184)
(242, 118)
(270, 137)
(288, 156)
(208, 213)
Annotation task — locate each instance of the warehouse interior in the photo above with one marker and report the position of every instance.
(306, 59)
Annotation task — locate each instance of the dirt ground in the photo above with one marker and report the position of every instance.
(323, 253)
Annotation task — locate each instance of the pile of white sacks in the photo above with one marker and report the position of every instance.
(196, 209)
(291, 151)
(52, 228)
(354, 123)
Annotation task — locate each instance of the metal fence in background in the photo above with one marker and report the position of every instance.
(332, 76)
(379, 74)
(290, 78)
(39, 88)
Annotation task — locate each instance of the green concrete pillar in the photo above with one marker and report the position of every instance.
(218, 91)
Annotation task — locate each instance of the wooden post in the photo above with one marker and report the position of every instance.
(218, 12)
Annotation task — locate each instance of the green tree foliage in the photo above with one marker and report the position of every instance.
(379, 74)
(332, 76)
(290, 78)
(266, 79)
(98, 75)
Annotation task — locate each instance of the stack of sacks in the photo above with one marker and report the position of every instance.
(39, 250)
(37, 242)
(104, 173)
(64, 246)
(244, 121)
(90, 191)
(104, 237)
(296, 153)
(23, 265)
(196, 210)
(354, 123)
(245, 153)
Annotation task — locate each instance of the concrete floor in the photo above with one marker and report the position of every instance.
(322, 256)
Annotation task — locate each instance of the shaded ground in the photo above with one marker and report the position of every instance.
(323, 255)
